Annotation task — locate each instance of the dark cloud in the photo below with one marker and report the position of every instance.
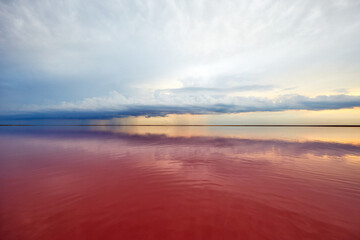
(233, 105)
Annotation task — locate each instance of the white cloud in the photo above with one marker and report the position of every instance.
(97, 46)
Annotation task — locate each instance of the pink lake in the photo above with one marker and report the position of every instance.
(179, 183)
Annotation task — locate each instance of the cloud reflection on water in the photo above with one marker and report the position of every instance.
(305, 188)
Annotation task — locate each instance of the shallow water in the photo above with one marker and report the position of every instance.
(179, 183)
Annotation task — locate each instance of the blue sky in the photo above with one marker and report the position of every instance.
(109, 59)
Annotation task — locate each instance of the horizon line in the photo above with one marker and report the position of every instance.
(180, 125)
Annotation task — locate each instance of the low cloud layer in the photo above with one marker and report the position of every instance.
(117, 106)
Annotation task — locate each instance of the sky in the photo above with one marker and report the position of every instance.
(192, 62)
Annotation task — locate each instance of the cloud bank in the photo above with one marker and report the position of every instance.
(118, 106)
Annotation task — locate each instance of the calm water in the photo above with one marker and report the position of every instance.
(179, 183)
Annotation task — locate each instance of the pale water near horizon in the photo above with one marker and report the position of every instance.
(179, 183)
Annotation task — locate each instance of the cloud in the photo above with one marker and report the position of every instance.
(212, 90)
(117, 105)
(65, 51)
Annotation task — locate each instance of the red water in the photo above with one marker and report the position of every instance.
(80, 183)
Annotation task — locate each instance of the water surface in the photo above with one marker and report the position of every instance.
(179, 183)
